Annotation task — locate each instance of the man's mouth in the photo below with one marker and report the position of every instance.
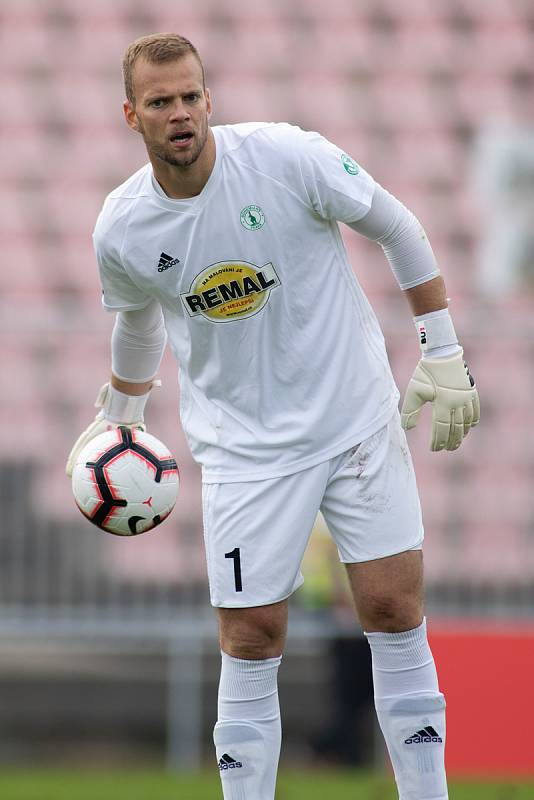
(181, 139)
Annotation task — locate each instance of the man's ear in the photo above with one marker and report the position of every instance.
(130, 115)
(209, 105)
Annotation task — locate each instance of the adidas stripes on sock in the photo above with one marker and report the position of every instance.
(248, 733)
(411, 712)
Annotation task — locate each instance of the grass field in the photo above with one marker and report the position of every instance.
(55, 785)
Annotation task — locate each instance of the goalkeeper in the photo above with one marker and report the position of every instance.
(227, 242)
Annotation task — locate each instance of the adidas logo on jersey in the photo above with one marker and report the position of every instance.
(426, 735)
(166, 262)
(227, 762)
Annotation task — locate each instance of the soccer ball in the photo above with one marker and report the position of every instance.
(125, 481)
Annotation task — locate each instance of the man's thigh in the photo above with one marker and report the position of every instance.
(256, 533)
(371, 504)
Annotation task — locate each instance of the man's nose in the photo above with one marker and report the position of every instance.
(179, 112)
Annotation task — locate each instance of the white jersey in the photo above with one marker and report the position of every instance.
(282, 361)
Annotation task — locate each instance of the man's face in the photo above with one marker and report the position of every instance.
(171, 109)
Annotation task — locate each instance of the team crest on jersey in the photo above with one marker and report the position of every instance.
(252, 218)
(230, 290)
(350, 165)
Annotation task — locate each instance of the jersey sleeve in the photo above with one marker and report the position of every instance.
(337, 187)
(119, 292)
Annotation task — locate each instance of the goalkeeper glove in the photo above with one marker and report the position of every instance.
(116, 409)
(447, 384)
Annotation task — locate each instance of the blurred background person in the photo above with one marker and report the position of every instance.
(504, 181)
(345, 737)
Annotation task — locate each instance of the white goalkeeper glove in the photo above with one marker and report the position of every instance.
(116, 409)
(447, 384)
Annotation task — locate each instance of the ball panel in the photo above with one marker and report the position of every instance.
(125, 491)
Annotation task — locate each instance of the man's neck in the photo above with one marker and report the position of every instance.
(180, 183)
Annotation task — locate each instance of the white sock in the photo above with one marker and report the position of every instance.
(248, 732)
(411, 712)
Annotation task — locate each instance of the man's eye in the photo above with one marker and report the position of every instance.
(157, 103)
(192, 98)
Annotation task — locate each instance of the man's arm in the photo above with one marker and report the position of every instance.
(137, 345)
(441, 376)
(126, 387)
(428, 296)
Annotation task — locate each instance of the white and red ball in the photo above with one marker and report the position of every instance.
(125, 482)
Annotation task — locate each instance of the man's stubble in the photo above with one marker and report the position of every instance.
(158, 151)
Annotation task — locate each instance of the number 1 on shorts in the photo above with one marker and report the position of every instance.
(236, 555)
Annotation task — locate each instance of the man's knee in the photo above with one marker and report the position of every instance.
(253, 633)
(388, 592)
(390, 613)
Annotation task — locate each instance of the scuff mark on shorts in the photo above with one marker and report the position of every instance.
(361, 462)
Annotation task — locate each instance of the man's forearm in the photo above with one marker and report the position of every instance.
(135, 389)
(137, 344)
(427, 297)
(433, 322)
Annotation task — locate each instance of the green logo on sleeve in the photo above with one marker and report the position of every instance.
(350, 165)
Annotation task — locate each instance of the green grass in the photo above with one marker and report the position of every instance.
(133, 785)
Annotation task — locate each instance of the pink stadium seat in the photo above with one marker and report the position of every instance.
(500, 49)
(248, 102)
(25, 435)
(436, 152)
(332, 97)
(435, 503)
(498, 495)
(72, 266)
(17, 361)
(436, 562)
(77, 219)
(22, 36)
(18, 95)
(112, 37)
(404, 101)
(103, 161)
(322, 54)
(246, 42)
(498, 12)
(342, 13)
(25, 162)
(88, 100)
(518, 453)
(494, 554)
(14, 217)
(483, 99)
(516, 375)
(78, 12)
(27, 274)
(422, 47)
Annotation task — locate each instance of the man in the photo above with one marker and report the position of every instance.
(228, 242)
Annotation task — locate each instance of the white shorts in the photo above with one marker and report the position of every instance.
(256, 532)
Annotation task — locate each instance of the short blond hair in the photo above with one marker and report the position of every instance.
(157, 48)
